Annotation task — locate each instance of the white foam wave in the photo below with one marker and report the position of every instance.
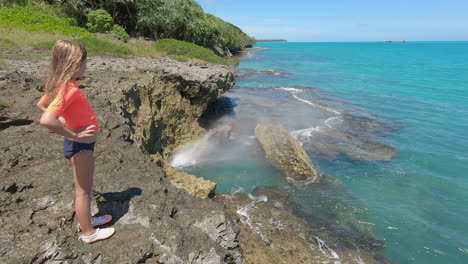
(192, 154)
(300, 183)
(244, 213)
(278, 224)
(306, 132)
(316, 105)
(290, 89)
(366, 223)
(359, 260)
(326, 250)
(182, 160)
(330, 121)
(238, 190)
(295, 91)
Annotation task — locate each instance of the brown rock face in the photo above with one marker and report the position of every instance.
(285, 153)
(155, 222)
(164, 105)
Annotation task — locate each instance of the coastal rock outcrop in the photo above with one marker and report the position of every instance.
(195, 186)
(271, 232)
(285, 153)
(163, 105)
(155, 222)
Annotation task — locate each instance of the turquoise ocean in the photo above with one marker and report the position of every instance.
(387, 120)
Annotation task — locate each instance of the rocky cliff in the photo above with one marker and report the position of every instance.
(146, 108)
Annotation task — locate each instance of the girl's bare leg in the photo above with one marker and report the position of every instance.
(83, 170)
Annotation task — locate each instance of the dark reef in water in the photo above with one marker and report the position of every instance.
(326, 127)
(273, 233)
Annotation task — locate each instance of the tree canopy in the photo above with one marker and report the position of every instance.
(155, 19)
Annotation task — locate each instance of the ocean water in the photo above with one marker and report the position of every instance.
(388, 120)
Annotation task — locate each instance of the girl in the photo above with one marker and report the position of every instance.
(67, 112)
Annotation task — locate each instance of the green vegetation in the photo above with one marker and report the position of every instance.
(31, 19)
(38, 24)
(16, 38)
(184, 51)
(96, 46)
(156, 19)
(99, 21)
(211, 31)
(118, 32)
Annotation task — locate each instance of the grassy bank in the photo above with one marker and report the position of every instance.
(32, 28)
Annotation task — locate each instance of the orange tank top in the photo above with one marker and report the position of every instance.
(73, 105)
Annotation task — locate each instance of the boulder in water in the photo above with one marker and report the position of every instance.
(285, 153)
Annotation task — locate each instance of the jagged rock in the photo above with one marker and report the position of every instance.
(195, 186)
(155, 222)
(271, 232)
(285, 153)
(167, 103)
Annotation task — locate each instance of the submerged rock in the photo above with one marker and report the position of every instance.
(285, 153)
(271, 232)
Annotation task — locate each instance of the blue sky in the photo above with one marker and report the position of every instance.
(345, 20)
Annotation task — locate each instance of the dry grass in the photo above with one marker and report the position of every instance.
(4, 104)
(14, 39)
(139, 50)
(26, 56)
(4, 64)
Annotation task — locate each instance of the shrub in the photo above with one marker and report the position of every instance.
(119, 33)
(100, 21)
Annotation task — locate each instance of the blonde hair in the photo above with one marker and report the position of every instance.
(67, 58)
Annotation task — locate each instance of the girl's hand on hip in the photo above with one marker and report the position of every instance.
(88, 135)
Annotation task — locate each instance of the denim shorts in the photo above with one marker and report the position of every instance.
(71, 147)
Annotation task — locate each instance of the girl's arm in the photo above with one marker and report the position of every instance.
(53, 123)
(43, 106)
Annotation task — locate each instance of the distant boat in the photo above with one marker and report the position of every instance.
(391, 41)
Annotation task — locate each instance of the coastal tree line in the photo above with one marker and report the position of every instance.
(156, 19)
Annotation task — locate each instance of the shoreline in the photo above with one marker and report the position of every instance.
(130, 183)
(149, 212)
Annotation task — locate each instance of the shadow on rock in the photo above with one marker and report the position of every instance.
(115, 203)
